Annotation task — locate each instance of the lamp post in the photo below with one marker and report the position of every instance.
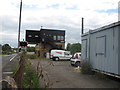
(19, 25)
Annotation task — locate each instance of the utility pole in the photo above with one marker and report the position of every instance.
(41, 27)
(82, 26)
(19, 25)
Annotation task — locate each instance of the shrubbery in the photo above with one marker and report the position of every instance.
(86, 67)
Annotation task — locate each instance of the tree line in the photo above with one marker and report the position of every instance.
(6, 48)
(73, 48)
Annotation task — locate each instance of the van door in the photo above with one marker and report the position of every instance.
(67, 55)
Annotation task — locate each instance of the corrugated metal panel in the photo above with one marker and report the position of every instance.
(84, 48)
(115, 50)
(119, 50)
(119, 11)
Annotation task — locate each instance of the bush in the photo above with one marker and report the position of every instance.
(30, 49)
(4, 53)
(86, 67)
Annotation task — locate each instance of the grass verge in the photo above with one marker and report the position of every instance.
(15, 68)
(34, 57)
(31, 56)
(30, 77)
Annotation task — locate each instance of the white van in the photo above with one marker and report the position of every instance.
(60, 54)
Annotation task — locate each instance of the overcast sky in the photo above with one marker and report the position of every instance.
(56, 14)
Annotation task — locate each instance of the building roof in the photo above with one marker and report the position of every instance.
(102, 28)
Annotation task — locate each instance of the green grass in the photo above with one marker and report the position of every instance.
(43, 58)
(30, 77)
(100, 75)
(34, 57)
(15, 68)
(6, 53)
(31, 56)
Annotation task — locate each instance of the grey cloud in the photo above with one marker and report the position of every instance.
(72, 33)
(9, 40)
(9, 25)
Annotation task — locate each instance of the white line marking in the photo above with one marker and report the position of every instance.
(13, 58)
(7, 72)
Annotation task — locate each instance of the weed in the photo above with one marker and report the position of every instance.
(100, 75)
(15, 68)
(30, 78)
(86, 67)
(31, 56)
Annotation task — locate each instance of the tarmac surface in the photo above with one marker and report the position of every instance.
(60, 74)
(8, 64)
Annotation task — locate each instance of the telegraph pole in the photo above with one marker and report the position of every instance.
(41, 27)
(82, 26)
(19, 25)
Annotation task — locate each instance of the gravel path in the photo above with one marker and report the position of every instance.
(60, 74)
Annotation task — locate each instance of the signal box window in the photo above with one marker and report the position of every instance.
(62, 38)
(23, 43)
(29, 35)
(54, 37)
(58, 37)
(36, 35)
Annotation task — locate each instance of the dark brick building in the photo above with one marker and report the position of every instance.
(46, 39)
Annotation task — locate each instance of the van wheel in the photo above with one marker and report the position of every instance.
(56, 59)
(77, 64)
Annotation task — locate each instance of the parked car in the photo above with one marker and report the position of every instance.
(60, 54)
(76, 59)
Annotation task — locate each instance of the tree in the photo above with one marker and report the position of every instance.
(6, 48)
(68, 47)
(0, 46)
(76, 47)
